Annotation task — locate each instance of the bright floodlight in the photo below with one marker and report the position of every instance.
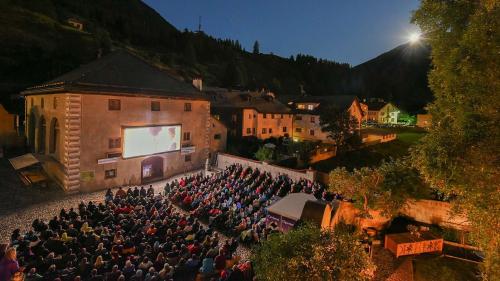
(414, 37)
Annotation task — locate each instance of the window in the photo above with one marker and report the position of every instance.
(310, 106)
(217, 116)
(298, 117)
(281, 116)
(284, 129)
(234, 117)
(54, 103)
(311, 132)
(249, 131)
(249, 116)
(108, 174)
(114, 104)
(264, 115)
(270, 130)
(42, 103)
(253, 131)
(217, 136)
(187, 158)
(264, 130)
(115, 143)
(186, 136)
(32, 102)
(272, 116)
(313, 119)
(187, 106)
(301, 106)
(298, 130)
(155, 106)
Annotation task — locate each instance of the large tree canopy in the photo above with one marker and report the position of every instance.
(308, 253)
(460, 155)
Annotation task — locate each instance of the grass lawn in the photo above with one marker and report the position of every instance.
(443, 269)
(371, 156)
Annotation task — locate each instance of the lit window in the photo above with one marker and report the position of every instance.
(115, 143)
(110, 174)
(310, 106)
(249, 131)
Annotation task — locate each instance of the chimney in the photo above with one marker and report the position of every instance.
(198, 84)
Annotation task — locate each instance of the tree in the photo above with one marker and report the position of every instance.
(386, 188)
(190, 53)
(264, 153)
(303, 150)
(308, 253)
(256, 47)
(361, 185)
(460, 154)
(340, 126)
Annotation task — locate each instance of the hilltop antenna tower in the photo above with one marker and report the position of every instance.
(199, 24)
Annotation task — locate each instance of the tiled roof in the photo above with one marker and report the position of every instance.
(223, 98)
(122, 73)
(342, 102)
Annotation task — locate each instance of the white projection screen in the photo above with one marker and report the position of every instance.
(142, 141)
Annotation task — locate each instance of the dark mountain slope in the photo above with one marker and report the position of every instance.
(399, 75)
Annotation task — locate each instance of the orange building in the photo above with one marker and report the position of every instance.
(248, 114)
(9, 129)
(306, 122)
(119, 120)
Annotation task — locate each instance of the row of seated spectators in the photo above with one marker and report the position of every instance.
(235, 200)
(133, 235)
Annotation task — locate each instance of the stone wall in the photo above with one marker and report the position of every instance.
(424, 211)
(224, 160)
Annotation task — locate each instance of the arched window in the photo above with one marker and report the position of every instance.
(42, 103)
(41, 135)
(54, 135)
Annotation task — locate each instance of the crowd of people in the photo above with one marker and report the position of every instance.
(134, 234)
(235, 200)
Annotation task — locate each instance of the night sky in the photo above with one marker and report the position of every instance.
(351, 31)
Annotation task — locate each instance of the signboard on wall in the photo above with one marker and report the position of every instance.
(86, 176)
(188, 150)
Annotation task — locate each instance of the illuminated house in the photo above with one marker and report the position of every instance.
(306, 123)
(119, 120)
(382, 112)
(248, 114)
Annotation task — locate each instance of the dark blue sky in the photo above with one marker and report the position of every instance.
(351, 31)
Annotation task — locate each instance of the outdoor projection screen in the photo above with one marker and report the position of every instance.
(141, 141)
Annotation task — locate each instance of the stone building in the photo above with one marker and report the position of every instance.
(306, 109)
(251, 114)
(119, 121)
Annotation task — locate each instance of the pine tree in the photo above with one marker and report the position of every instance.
(256, 47)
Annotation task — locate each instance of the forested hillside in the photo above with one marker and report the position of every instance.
(37, 44)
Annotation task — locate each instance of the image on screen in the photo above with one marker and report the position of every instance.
(141, 141)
